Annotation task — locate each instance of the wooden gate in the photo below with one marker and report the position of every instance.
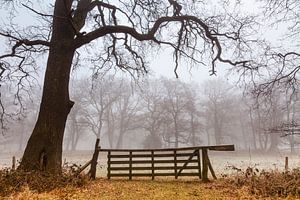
(189, 161)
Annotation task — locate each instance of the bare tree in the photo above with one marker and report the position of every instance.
(76, 123)
(111, 125)
(193, 111)
(74, 129)
(152, 115)
(254, 127)
(218, 99)
(126, 108)
(284, 109)
(16, 133)
(292, 119)
(104, 93)
(123, 29)
(281, 61)
(265, 115)
(176, 105)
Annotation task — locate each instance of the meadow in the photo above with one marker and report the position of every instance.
(240, 176)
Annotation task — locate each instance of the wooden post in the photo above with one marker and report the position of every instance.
(83, 167)
(13, 167)
(211, 168)
(286, 166)
(108, 164)
(152, 164)
(175, 164)
(130, 165)
(199, 163)
(204, 165)
(94, 160)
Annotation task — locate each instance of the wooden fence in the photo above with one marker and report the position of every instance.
(188, 161)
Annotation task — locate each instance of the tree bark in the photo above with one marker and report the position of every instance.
(44, 148)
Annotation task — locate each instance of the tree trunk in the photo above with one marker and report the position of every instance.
(110, 127)
(274, 137)
(242, 125)
(44, 148)
(76, 135)
(192, 123)
(176, 134)
(253, 129)
(217, 127)
(292, 143)
(274, 142)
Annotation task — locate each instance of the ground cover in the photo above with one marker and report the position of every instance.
(239, 178)
(160, 189)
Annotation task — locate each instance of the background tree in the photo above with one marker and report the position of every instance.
(126, 108)
(75, 127)
(98, 99)
(153, 112)
(281, 59)
(176, 105)
(16, 133)
(218, 105)
(192, 108)
(292, 120)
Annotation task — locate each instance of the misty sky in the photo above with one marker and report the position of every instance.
(162, 63)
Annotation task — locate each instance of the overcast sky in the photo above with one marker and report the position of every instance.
(162, 63)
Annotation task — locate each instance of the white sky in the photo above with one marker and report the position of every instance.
(162, 64)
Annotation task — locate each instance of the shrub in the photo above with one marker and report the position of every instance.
(268, 183)
(12, 181)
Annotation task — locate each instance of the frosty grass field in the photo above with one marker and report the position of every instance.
(223, 163)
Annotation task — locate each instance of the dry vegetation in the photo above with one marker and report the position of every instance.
(12, 181)
(249, 184)
(268, 183)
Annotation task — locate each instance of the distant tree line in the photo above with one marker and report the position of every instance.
(165, 112)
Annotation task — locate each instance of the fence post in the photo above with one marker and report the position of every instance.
(199, 163)
(13, 167)
(152, 164)
(211, 169)
(130, 165)
(94, 160)
(108, 164)
(286, 166)
(175, 164)
(204, 165)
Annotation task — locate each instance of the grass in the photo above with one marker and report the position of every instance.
(249, 184)
(164, 189)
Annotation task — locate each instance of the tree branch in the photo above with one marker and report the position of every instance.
(36, 12)
(102, 31)
(21, 42)
(85, 6)
(25, 41)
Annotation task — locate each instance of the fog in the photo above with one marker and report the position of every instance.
(162, 113)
